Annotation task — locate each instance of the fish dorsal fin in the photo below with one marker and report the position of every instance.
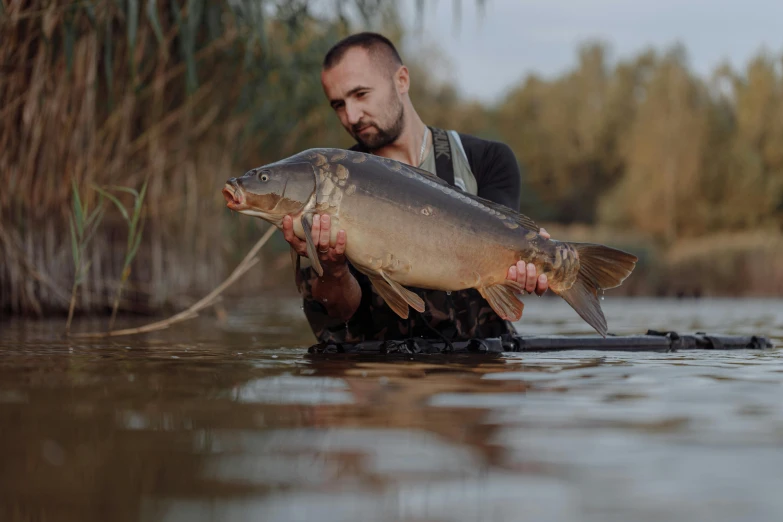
(518, 218)
(522, 220)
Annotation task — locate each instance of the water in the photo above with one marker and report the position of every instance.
(225, 421)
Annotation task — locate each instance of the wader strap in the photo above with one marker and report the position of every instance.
(444, 163)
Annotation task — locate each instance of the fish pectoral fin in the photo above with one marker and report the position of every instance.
(415, 302)
(503, 300)
(312, 253)
(396, 296)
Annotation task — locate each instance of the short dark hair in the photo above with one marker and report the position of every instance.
(376, 44)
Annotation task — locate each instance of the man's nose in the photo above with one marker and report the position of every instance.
(353, 112)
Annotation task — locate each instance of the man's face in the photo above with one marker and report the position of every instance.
(366, 98)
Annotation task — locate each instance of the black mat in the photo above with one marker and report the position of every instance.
(652, 341)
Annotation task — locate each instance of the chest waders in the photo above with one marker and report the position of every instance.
(451, 162)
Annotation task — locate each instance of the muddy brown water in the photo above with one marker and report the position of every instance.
(232, 420)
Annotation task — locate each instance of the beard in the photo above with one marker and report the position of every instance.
(384, 135)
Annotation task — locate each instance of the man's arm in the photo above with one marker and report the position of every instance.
(337, 290)
(499, 179)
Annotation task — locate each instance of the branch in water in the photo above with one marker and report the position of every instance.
(247, 263)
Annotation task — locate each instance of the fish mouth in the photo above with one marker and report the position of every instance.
(235, 197)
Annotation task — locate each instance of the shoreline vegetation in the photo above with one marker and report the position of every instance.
(120, 122)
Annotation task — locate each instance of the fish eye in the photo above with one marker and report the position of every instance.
(264, 177)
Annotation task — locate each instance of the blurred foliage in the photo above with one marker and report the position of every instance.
(186, 93)
(183, 93)
(646, 145)
(128, 76)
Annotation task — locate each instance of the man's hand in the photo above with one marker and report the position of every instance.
(526, 275)
(332, 257)
(337, 289)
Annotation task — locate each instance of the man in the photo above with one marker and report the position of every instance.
(367, 85)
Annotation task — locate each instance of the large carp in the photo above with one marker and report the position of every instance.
(406, 227)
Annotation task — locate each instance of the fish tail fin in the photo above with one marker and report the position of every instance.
(600, 268)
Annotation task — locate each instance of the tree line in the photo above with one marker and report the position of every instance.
(647, 145)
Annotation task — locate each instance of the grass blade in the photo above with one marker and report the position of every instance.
(94, 218)
(69, 37)
(124, 189)
(214, 29)
(77, 210)
(91, 232)
(134, 248)
(90, 9)
(140, 198)
(152, 15)
(114, 200)
(133, 28)
(195, 8)
(96, 213)
(108, 61)
(74, 244)
(187, 43)
(83, 273)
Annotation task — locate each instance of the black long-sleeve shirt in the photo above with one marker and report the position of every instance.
(496, 170)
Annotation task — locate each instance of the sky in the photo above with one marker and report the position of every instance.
(514, 38)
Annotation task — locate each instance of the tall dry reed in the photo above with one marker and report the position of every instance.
(183, 94)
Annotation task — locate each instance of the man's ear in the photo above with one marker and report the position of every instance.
(402, 80)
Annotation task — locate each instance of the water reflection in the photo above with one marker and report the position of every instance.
(233, 421)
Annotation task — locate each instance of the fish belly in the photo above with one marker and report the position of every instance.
(437, 251)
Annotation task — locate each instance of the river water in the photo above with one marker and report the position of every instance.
(225, 420)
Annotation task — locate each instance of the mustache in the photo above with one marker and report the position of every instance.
(358, 126)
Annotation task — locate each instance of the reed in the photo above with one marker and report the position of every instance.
(135, 229)
(84, 223)
(172, 96)
(728, 264)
